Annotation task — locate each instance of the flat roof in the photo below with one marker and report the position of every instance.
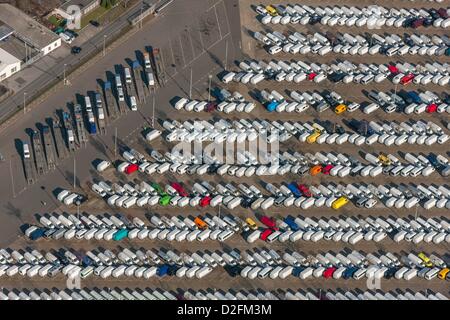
(26, 27)
(5, 31)
(81, 3)
(6, 59)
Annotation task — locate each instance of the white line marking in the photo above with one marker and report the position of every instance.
(182, 53)
(226, 16)
(173, 56)
(218, 24)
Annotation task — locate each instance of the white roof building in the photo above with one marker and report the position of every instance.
(8, 64)
(29, 30)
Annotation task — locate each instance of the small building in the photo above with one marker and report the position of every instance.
(8, 64)
(29, 30)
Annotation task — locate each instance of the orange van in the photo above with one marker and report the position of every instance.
(316, 170)
(200, 223)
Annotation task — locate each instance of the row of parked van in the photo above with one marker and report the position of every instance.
(368, 295)
(205, 195)
(334, 272)
(106, 230)
(69, 198)
(372, 16)
(351, 231)
(302, 164)
(220, 229)
(261, 263)
(271, 68)
(407, 102)
(98, 294)
(224, 131)
(317, 43)
(209, 294)
(224, 106)
(298, 71)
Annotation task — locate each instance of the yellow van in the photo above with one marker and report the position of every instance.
(339, 203)
(443, 273)
(252, 224)
(384, 159)
(313, 136)
(425, 259)
(340, 108)
(271, 10)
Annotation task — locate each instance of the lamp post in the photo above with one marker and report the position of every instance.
(226, 55)
(115, 141)
(74, 172)
(209, 88)
(24, 102)
(190, 86)
(104, 44)
(64, 74)
(153, 108)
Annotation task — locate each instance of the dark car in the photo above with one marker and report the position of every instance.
(76, 50)
(213, 168)
(72, 33)
(233, 271)
(427, 22)
(172, 270)
(94, 23)
(348, 273)
(391, 272)
(340, 129)
(246, 202)
(297, 270)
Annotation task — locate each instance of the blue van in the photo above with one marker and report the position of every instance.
(294, 189)
(348, 273)
(291, 223)
(415, 97)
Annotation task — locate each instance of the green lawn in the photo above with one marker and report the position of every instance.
(53, 20)
(93, 15)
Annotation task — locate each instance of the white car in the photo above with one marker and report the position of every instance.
(133, 104)
(275, 49)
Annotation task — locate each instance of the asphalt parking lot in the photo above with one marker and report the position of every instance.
(198, 41)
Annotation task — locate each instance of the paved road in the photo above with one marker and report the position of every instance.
(95, 43)
(185, 42)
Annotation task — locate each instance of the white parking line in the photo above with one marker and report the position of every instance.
(182, 53)
(193, 60)
(201, 40)
(226, 16)
(173, 56)
(192, 46)
(218, 24)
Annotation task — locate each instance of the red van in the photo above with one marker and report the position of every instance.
(269, 222)
(179, 189)
(265, 234)
(407, 79)
(328, 273)
(131, 168)
(327, 169)
(205, 201)
(431, 108)
(304, 190)
(311, 76)
(393, 69)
